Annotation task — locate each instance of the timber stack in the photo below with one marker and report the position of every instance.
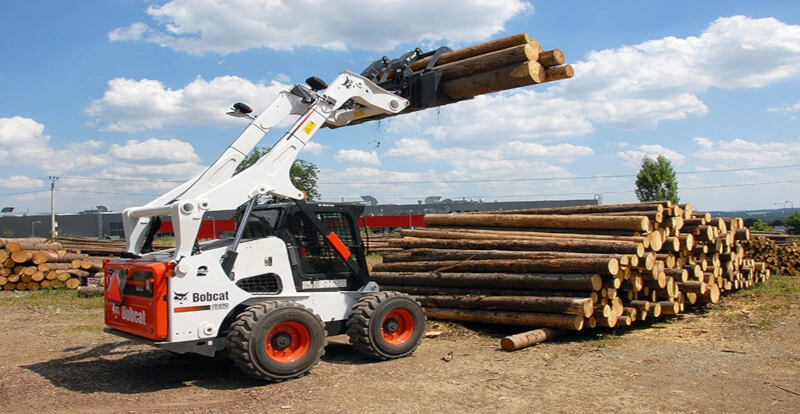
(36, 263)
(779, 251)
(569, 268)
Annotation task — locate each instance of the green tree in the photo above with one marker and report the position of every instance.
(760, 225)
(302, 173)
(656, 180)
(792, 223)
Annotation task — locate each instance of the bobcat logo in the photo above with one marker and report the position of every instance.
(180, 297)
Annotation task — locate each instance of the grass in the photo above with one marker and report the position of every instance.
(763, 304)
(52, 298)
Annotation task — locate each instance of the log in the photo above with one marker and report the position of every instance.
(558, 73)
(509, 77)
(489, 61)
(578, 282)
(530, 338)
(540, 221)
(429, 255)
(544, 244)
(87, 291)
(669, 308)
(480, 234)
(563, 265)
(435, 290)
(549, 58)
(589, 209)
(72, 283)
(546, 320)
(476, 50)
(32, 244)
(534, 304)
(21, 256)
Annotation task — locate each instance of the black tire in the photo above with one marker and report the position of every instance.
(386, 325)
(276, 340)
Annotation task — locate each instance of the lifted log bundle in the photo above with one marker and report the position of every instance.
(627, 262)
(494, 66)
(36, 263)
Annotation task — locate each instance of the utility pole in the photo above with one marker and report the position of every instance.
(53, 180)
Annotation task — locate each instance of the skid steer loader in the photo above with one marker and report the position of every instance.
(293, 273)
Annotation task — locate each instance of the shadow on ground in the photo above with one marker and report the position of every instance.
(126, 367)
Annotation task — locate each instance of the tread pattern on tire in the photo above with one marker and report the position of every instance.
(358, 324)
(243, 329)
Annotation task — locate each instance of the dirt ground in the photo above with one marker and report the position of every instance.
(740, 356)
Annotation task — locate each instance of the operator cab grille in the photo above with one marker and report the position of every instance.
(267, 284)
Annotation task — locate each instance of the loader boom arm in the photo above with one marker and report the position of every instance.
(349, 97)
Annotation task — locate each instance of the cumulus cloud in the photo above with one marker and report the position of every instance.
(135, 105)
(199, 26)
(357, 157)
(739, 153)
(634, 156)
(20, 182)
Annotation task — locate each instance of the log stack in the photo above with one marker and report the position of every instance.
(570, 267)
(780, 252)
(36, 263)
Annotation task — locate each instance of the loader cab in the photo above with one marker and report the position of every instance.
(315, 263)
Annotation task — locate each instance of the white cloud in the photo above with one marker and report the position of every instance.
(20, 182)
(199, 26)
(130, 105)
(358, 157)
(633, 157)
(133, 32)
(18, 131)
(564, 152)
(786, 108)
(739, 153)
(154, 151)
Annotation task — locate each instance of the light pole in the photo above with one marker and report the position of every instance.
(792, 204)
(783, 204)
(33, 225)
(409, 220)
(213, 226)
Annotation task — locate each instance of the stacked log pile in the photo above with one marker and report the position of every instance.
(569, 267)
(35, 263)
(379, 243)
(779, 251)
(92, 246)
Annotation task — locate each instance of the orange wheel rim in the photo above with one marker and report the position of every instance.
(397, 326)
(287, 342)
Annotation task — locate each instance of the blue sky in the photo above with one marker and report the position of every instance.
(122, 100)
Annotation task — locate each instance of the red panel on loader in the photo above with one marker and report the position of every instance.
(136, 298)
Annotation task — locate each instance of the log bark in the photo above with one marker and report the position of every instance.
(549, 58)
(546, 320)
(558, 73)
(583, 221)
(544, 244)
(87, 291)
(489, 61)
(535, 304)
(509, 77)
(429, 255)
(561, 266)
(530, 338)
(476, 50)
(435, 290)
(577, 282)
